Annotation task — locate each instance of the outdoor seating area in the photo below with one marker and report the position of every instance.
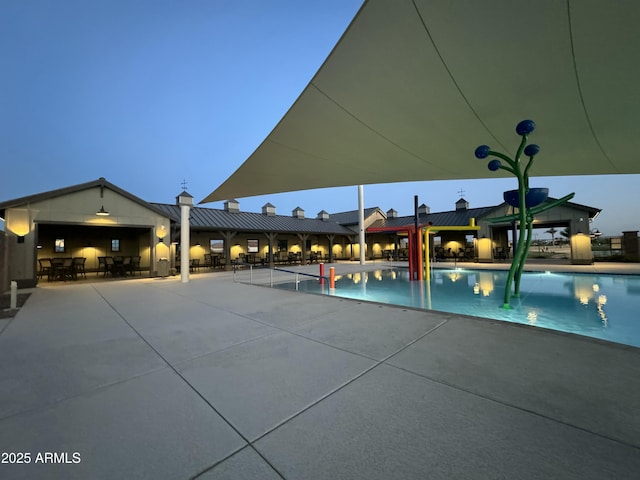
(463, 254)
(73, 268)
(62, 269)
(214, 261)
(119, 266)
(295, 258)
(211, 261)
(281, 258)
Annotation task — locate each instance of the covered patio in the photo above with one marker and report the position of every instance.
(83, 224)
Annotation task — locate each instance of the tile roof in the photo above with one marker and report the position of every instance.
(211, 218)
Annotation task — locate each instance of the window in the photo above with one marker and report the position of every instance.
(115, 244)
(59, 245)
(282, 245)
(252, 246)
(216, 246)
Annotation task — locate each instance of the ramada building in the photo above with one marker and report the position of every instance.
(98, 219)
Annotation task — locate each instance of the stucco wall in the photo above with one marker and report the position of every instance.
(576, 219)
(4, 265)
(77, 208)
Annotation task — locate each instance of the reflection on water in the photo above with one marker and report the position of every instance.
(601, 306)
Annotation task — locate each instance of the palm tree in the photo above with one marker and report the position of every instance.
(565, 233)
(552, 231)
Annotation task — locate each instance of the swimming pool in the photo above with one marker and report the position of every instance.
(600, 306)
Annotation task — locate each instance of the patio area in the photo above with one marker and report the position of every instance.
(152, 378)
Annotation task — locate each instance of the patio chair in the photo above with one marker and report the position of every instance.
(45, 268)
(102, 266)
(109, 266)
(78, 266)
(134, 266)
(195, 264)
(66, 270)
(126, 266)
(500, 253)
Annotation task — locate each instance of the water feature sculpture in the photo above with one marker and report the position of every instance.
(528, 201)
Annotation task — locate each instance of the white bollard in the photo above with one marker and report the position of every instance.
(14, 295)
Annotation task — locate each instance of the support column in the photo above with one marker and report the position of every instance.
(361, 222)
(352, 240)
(331, 238)
(271, 237)
(228, 236)
(186, 202)
(303, 238)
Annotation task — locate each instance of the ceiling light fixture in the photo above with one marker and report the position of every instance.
(102, 212)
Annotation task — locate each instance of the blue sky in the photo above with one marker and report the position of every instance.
(147, 93)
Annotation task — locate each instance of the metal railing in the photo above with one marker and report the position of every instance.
(259, 275)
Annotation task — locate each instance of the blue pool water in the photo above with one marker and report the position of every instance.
(600, 306)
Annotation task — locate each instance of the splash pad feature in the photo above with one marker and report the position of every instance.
(528, 201)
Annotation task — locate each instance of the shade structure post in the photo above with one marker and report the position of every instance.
(361, 222)
(410, 241)
(186, 202)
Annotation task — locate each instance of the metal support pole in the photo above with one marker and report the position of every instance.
(416, 246)
(361, 222)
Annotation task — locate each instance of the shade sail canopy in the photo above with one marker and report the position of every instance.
(412, 88)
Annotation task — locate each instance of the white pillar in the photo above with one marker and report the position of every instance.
(361, 222)
(186, 202)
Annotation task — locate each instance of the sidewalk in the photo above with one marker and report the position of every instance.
(156, 379)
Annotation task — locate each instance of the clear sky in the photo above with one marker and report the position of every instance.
(148, 93)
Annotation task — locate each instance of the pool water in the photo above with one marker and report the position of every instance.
(600, 306)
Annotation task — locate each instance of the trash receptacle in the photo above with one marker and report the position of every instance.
(163, 267)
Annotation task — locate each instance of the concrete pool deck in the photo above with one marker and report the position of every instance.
(152, 378)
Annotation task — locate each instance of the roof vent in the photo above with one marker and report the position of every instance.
(391, 213)
(269, 210)
(462, 204)
(184, 197)
(232, 206)
(323, 215)
(297, 212)
(423, 210)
